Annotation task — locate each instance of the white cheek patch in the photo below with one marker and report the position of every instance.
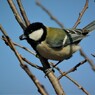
(36, 35)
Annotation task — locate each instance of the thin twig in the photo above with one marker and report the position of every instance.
(23, 13)
(49, 13)
(78, 85)
(88, 59)
(72, 69)
(81, 14)
(33, 53)
(32, 64)
(16, 14)
(93, 55)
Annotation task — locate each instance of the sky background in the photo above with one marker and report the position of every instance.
(13, 80)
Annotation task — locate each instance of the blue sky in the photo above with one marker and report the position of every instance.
(13, 80)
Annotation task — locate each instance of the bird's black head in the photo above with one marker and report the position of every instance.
(34, 33)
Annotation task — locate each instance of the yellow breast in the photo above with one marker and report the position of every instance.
(56, 53)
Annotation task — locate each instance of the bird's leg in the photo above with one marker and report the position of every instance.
(46, 66)
(57, 63)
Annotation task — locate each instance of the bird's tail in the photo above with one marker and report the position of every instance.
(90, 27)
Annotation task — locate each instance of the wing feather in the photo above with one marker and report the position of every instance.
(62, 37)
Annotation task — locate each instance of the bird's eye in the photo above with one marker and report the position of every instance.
(29, 32)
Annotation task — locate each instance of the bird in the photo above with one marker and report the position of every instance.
(55, 43)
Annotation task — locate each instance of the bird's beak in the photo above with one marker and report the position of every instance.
(22, 37)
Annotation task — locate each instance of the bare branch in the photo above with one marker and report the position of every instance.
(77, 84)
(23, 13)
(16, 14)
(40, 87)
(89, 61)
(28, 50)
(11, 45)
(81, 14)
(50, 74)
(24, 66)
(49, 13)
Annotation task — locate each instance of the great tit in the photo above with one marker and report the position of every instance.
(55, 43)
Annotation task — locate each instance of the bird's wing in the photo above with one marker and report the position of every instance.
(57, 37)
(74, 36)
(90, 27)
